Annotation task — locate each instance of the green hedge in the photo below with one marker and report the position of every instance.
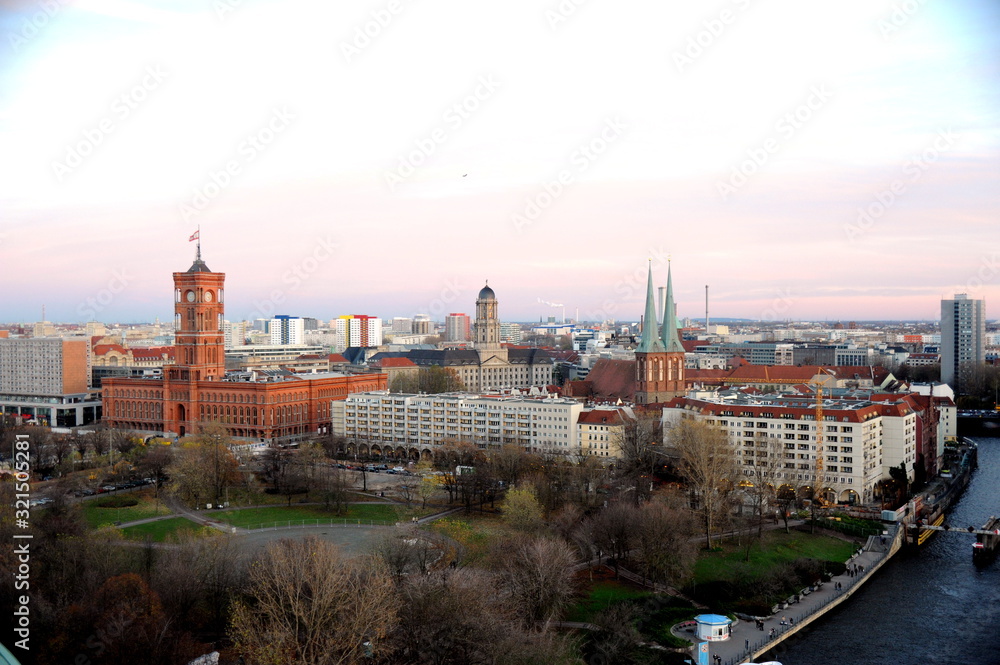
(116, 502)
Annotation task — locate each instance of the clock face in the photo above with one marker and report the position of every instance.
(208, 296)
(190, 296)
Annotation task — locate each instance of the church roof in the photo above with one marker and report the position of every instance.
(671, 341)
(650, 341)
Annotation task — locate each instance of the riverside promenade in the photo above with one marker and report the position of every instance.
(747, 641)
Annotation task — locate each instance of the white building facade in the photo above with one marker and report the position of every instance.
(415, 425)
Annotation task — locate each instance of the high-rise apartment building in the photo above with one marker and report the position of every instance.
(234, 333)
(457, 327)
(357, 330)
(286, 329)
(963, 334)
(44, 380)
(43, 366)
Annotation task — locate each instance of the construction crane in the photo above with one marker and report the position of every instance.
(819, 468)
(817, 488)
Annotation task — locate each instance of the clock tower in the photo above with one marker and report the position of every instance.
(198, 314)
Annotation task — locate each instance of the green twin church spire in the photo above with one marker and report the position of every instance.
(650, 341)
(671, 343)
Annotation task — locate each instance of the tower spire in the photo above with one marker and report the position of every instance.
(670, 341)
(650, 342)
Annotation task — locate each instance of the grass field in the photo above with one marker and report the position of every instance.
(654, 615)
(251, 518)
(602, 595)
(162, 530)
(774, 549)
(474, 532)
(147, 507)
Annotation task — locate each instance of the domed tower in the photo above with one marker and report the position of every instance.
(487, 321)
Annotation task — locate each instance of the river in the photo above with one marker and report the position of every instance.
(934, 607)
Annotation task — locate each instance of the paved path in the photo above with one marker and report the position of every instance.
(748, 641)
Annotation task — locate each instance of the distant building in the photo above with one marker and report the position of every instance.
(402, 325)
(511, 333)
(457, 327)
(234, 333)
(357, 330)
(963, 333)
(45, 380)
(490, 366)
(422, 325)
(286, 329)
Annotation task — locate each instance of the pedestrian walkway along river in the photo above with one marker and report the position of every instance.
(931, 608)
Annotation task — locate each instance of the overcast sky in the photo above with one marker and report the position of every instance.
(806, 160)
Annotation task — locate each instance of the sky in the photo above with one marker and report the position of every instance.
(806, 161)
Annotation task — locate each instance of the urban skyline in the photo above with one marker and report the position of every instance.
(851, 181)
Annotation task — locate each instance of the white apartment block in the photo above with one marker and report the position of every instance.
(286, 330)
(409, 425)
(234, 333)
(861, 439)
(357, 330)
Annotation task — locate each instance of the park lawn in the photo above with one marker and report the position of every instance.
(163, 530)
(600, 596)
(474, 531)
(97, 517)
(656, 613)
(775, 548)
(250, 518)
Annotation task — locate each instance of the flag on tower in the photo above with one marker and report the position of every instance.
(194, 236)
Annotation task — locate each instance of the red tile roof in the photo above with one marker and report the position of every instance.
(601, 417)
(613, 378)
(337, 358)
(395, 362)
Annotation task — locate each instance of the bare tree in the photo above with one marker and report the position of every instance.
(638, 441)
(708, 464)
(205, 468)
(612, 532)
(663, 540)
(538, 574)
(762, 468)
(309, 605)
